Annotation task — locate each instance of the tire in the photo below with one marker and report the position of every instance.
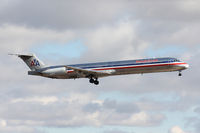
(92, 80)
(96, 82)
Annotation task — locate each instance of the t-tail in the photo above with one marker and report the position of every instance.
(32, 61)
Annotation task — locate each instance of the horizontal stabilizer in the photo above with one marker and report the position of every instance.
(22, 55)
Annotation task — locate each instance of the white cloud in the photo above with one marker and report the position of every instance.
(3, 123)
(61, 103)
(21, 38)
(119, 39)
(186, 36)
(116, 131)
(143, 119)
(73, 110)
(190, 5)
(19, 129)
(43, 100)
(176, 129)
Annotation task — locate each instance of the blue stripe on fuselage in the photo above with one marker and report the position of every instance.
(117, 63)
(120, 65)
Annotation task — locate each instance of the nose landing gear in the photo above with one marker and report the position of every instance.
(94, 81)
(179, 74)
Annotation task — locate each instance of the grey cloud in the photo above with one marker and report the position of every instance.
(35, 86)
(120, 39)
(92, 107)
(122, 107)
(23, 38)
(111, 30)
(197, 110)
(193, 122)
(72, 112)
(166, 10)
(61, 15)
(140, 119)
(20, 129)
(84, 14)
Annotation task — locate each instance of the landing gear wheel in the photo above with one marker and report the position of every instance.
(96, 82)
(180, 74)
(91, 80)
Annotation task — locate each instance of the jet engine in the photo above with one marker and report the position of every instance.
(55, 71)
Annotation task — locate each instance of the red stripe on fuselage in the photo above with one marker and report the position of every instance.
(168, 64)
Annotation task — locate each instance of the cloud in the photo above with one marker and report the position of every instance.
(23, 38)
(43, 100)
(19, 129)
(110, 30)
(115, 131)
(194, 121)
(79, 14)
(176, 129)
(40, 102)
(120, 37)
(59, 15)
(142, 119)
(190, 6)
(3, 123)
(73, 110)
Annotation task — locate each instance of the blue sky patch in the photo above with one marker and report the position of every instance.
(73, 49)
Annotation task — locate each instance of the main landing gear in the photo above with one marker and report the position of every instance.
(94, 81)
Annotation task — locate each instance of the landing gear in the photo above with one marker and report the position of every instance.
(91, 80)
(179, 74)
(95, 81)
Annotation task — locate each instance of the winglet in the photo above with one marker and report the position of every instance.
(13, 54)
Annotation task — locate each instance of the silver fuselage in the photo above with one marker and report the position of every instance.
(140, 66)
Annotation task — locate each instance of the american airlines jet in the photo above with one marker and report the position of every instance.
(93, 71)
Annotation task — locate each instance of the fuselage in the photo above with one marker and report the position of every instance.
(93, 71)
(140, 66)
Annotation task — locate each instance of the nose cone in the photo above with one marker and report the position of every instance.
(186, 66)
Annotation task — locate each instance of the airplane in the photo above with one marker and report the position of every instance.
(93, 71)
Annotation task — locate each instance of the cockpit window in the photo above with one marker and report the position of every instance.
(176, 60)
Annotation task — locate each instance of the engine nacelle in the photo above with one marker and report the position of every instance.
(55, 71)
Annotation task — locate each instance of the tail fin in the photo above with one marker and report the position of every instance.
(32, 61)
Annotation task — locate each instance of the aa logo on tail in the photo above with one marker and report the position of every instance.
(35, 62)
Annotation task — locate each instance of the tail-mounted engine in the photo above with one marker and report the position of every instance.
(55, 71)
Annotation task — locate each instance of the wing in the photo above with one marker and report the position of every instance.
(91, 73)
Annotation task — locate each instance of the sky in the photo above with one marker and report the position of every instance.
(69, 32)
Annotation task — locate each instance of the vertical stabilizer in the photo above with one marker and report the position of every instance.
(32, 61)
